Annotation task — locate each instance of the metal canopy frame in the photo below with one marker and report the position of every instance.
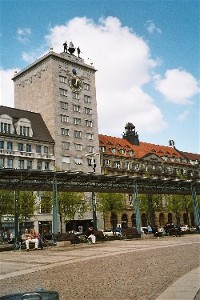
(34, 180)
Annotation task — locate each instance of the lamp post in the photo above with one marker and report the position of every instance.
(16, 219)
(94, 203)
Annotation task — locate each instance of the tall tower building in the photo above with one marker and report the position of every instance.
(61, 87)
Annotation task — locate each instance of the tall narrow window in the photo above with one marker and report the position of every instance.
(77, 121)
(64, 118)
(63, 105)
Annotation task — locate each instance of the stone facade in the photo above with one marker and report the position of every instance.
(61, 87)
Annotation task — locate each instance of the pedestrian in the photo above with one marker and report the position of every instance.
(30, 238)
(91, 236)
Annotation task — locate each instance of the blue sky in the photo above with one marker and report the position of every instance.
(146, 54)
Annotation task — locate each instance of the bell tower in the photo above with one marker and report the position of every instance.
(130, 134)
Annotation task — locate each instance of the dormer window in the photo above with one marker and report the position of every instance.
(113, 150)
(6, 124)
(102, 149)
(123, 151)
(23, 127)
(24, 130)
(5, 128)
(131, 152)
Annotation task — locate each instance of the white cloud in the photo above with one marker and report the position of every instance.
(6, 87)
(151, 27)
(183, 116)
(124, 65)
(23, 35)
(177, 86)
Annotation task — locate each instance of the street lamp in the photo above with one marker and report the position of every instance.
(94, 203)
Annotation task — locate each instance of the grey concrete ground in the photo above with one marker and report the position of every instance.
(146, 269)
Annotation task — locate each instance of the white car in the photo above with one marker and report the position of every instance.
(109, 233)
(185, 228)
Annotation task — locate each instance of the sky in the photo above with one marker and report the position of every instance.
(146, 53)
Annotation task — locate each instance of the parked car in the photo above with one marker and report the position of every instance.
(172, 229)
(185, 228)
(110, 234)
(130, 233)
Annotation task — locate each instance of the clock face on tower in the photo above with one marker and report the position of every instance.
(75, 82)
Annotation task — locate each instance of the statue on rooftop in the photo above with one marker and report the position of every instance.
(65, 46)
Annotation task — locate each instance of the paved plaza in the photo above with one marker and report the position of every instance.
(167, 268)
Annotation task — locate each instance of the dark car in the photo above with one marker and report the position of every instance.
(130, 233)
(172, 229)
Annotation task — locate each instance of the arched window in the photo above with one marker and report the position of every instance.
(144, 220)
(113, 220)
(170, 218)
(133, 220)
(161, 219)
(124, 221)
(192, 219)
(185, 219)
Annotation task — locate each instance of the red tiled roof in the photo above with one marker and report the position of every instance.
(191, 156)
(140, 150)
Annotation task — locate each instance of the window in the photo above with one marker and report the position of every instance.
(66, 159)
(77, 121)
(78, 161)
(122, 151)
(10, 163)
(38, 149)
(29, 164)
(9, 145)
(24, 131)
(1, 162)
(113, 150)
(28, 148)
(88, 123)
(63, 79)
(117, 164)
(86, 86)
(90, 149)
(39, 165)
(107, 162)
(89, 136)
(76, 96)
(46, 165)
(64, 118)
(76, 108)
(87, 99)
(21, 164)
(77, 134)
(20, 147)
(131, 152)
(1, 144)
(5, 127)
(65, 131)
(78, 147)
(63, 105)
(88, 111)
(46, 150)
(65, 145)
(102, 149)
(63, 92)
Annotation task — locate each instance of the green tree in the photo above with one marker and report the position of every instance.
(7, 206)
(111, 202)
(26, 204)
(70, 203)
(175, 204)
(46, 202)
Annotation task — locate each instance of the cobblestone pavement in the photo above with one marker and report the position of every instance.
(119, 270)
